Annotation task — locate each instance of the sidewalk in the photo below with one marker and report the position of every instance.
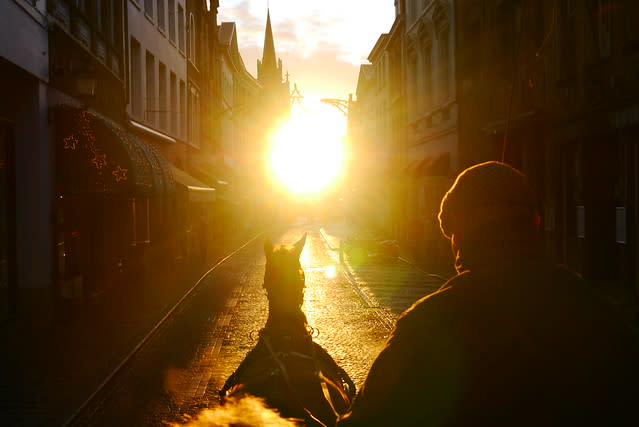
(620, 301)
(48, 369)
(337, 231)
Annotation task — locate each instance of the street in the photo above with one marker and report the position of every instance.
(182, 368)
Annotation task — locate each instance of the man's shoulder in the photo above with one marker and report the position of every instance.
(437, 302)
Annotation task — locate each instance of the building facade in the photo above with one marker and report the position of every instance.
(26, 163)
(112, 147)
(431, 121)
(556, 100)
(414, 131)
(545, 86)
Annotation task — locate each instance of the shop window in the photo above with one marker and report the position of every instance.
(141, 226)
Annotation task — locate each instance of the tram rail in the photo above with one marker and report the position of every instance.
(140, 345)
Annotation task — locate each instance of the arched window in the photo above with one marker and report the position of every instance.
(192, 47)
(425, 84)
(442, 28)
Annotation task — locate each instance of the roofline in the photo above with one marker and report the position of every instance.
(379, 46)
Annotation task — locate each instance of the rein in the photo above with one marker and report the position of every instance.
(290, 385)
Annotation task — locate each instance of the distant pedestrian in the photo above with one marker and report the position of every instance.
(512, 339)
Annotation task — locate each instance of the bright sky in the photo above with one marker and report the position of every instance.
(321, 43)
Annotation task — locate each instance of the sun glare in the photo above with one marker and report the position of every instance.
(307, 154)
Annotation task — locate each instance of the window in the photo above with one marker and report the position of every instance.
(411, 84)
(566, 40)
(161, 15)
(192, 43)
(444, 81)
(141, 225)
(601, 14)
(174, 104)
(99, 21)
(162, 96)
(427, 76)
(81, 4)
(509, 15)
(172, 20)
(150, 88)
(112, 21)
(412, 11)
(181, 28)
(148, 8)
(182, 109)
(194, 117)
(136, 79)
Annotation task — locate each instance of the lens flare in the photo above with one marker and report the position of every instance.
(330, 272)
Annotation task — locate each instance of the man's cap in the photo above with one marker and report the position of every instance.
(486, 192)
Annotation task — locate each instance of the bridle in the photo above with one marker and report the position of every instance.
(289, 383)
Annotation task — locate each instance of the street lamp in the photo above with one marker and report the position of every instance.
(341, 104)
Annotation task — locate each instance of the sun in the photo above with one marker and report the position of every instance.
(307, 153)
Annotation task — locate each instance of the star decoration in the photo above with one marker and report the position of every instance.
(120, 174)
(70, 142)
(99, 160)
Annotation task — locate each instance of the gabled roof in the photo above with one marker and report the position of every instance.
(226, 33)
(228, 39)
(364, 78)
(379, 47)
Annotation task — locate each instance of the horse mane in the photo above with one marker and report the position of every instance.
(248, 411)
(284, 282)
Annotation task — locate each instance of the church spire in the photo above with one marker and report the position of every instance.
(268, 54)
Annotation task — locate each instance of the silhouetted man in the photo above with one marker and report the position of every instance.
(511, 339)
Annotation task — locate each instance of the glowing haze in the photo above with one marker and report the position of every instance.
(321, 44)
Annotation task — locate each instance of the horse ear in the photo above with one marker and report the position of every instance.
(300, 244)
(268, 247)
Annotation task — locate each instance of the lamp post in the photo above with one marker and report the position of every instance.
(341, 104)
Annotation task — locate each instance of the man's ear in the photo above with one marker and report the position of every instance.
(268, 247)
(300, 245)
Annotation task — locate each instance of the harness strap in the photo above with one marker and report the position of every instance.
(289, 382)
(325, 391)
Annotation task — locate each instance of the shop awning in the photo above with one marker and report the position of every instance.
(96, 155)
(198, 191)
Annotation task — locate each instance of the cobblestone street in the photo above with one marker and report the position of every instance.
(182, 369)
